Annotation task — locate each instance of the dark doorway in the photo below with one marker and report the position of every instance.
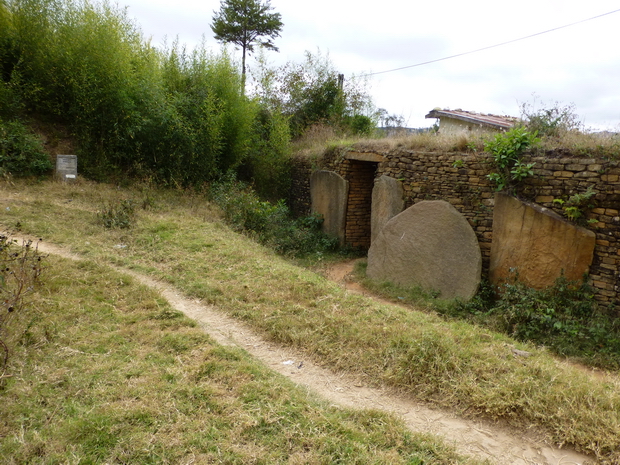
(361, 177)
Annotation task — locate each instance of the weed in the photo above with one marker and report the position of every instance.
(20, 269)
(507, 149)
(563, 317)
(552, 121)
(119, 214)
(577, 205)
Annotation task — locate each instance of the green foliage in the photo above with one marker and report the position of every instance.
(85, 65)
(201, 124)
(563, 317)
(552, 121)
(360, 124)
(120, 214)
(267, 165)
(247, 23)
(271, 224)
(507, 149)
(179, 117)
(577, 204)
(21, 152)
(312, 92)
(20, 269)
(10, 102)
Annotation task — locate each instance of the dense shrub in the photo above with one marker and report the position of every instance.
(506, 150)
(552, 120)
(133, 109)
(180, 117)
(312, 92)
(267, 165)
(120, 214)
(21, 152)
(200, 124)
(563, 317)
(270, 224)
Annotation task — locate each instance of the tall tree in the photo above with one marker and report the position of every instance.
(247, 23)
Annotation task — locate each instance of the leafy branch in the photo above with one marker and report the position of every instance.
(507, 149)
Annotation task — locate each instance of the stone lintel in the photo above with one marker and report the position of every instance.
(364, 156)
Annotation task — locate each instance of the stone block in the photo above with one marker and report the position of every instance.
(586, 174)
(430, 245)
(538, 243)
(387, 202)
(329, 192)
(553, 167)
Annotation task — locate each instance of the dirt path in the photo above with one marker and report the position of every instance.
(499, 444)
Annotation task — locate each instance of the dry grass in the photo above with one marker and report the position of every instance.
(449, 363)
(427, 142)
(576, 143)
(583, 144)
(107, 372)
(312, 145)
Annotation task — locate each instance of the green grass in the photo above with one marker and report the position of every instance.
(452, 364)
(564, 318)
(106, 372)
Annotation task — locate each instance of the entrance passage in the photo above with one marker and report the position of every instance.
(361, 176)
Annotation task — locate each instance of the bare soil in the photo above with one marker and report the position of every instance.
(497, 443)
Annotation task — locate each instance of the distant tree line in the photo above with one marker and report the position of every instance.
(181, 117)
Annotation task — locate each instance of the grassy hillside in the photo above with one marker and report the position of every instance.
(107, 372)
(103, 370)
(178, 238)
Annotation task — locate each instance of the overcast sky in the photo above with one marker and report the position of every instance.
(577, 65)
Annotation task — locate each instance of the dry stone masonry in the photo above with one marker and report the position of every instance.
(460, 178)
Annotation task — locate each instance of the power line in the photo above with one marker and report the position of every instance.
(491, 46)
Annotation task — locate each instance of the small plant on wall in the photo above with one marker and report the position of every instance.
(577, 205)
(507, 149)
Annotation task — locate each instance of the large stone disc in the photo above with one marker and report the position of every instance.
(430, 245)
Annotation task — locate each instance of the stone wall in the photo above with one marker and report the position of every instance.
(299, 196)
(559, 177)
(461, 180)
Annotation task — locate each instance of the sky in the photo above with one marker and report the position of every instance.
(575, 66)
